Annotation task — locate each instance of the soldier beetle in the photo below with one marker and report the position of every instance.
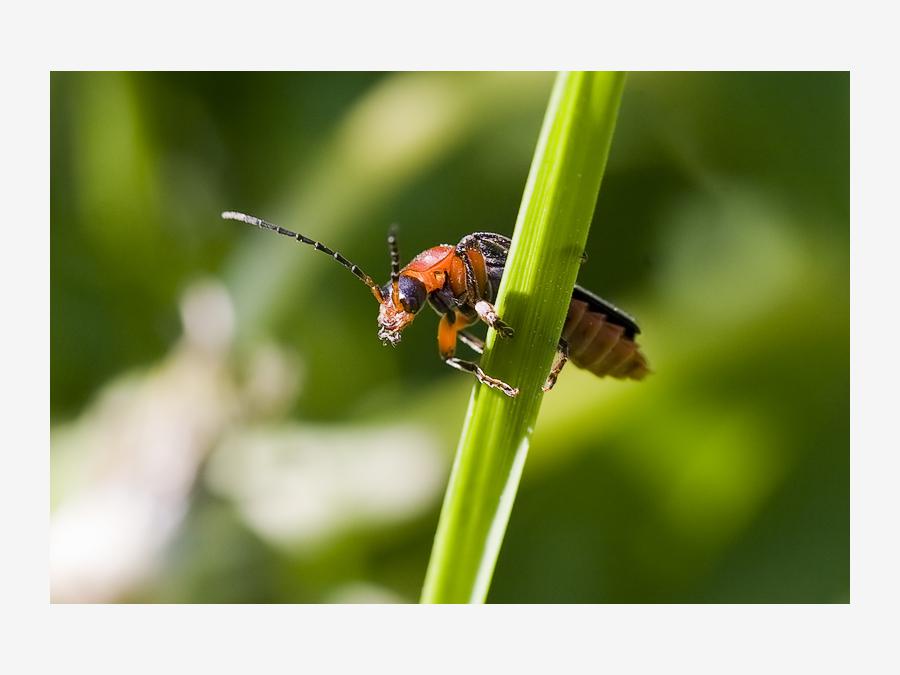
(460, 282)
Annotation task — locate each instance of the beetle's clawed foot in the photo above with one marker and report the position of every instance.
(500, 385)
(562, 355)
(495, 383)
(512, 392)
(484, 378)
(503, 329)
(488, 314)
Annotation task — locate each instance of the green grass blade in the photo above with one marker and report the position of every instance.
(550, 236)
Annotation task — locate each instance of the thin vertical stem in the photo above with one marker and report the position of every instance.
(550, 236)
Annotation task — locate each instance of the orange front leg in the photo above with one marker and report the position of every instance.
(448, 328)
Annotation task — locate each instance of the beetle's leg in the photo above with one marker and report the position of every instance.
(448, 329)
(562, 355)
(488, 314)
(473, 342)
(485, 310)
(469, 367)
(469, 242)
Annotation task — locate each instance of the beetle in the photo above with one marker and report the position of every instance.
(460, 282)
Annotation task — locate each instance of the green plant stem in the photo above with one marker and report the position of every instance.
(550, 236)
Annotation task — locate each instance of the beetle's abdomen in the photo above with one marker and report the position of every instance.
(601, 346)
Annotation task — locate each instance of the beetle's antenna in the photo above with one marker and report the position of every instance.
(319, 246)
(395, 265)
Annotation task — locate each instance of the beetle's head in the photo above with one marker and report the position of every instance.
(399, 304)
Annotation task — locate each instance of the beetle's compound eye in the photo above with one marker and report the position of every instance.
(412, 294)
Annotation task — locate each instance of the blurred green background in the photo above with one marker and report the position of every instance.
(226, 427)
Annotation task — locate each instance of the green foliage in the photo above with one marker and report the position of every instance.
(537, 285)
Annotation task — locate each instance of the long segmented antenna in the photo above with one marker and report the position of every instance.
(319, 246)
(395, 265)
